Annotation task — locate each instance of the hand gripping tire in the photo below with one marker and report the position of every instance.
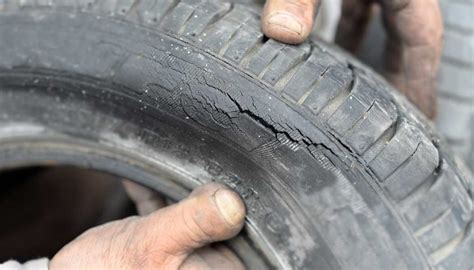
(337, 170)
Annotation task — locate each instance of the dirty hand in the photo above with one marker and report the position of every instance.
(414, 29)
(173, 237)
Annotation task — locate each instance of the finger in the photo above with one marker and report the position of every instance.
(146, 200)
(288, 21)
(211, 213)
(353, 24)
(413, 49)
(219, 257)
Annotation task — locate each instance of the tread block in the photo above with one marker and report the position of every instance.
(177, 17)
(363, 117)
(397, 150)
(373, 125)
(413, 171)
(264, 56)
(238, 14)
(152, 12)
(280, 65)
(218, 35)
(348, 114)
(446, 192)
(245, 39)
(203, 16)
(334, 82)
(306, 76)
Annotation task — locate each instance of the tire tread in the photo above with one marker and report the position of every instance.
(396, 148)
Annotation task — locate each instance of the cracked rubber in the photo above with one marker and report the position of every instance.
(338, 171)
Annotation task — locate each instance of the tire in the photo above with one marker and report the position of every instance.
(337, 170)
(455, 83)
(456, 80)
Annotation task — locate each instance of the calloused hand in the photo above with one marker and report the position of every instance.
(413, 50)
(173, 237)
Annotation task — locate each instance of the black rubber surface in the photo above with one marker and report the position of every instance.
(337, 170)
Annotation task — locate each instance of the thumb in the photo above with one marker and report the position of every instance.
(146, 200)
(289, 21)
(211, 213)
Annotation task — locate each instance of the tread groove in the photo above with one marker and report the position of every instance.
(224, 48)
(262, 73)
(361, 118)
(185, 23)
(386, 137)
(397, 127)
(311, 88)
(217, 18)
(168, 11)
(331, 107)
(252, 51)
(334, 73)
(286, 77)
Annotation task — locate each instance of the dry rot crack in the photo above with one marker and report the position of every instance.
(305, 141)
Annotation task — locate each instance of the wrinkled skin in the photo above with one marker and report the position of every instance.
(413, 50)
(174, 237)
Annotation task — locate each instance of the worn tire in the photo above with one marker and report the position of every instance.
(336, 169)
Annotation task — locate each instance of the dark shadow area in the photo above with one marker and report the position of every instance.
(44, 208)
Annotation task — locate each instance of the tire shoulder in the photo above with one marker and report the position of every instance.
(368, 121)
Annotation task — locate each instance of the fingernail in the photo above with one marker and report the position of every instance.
(287, 21)
(230, 206)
